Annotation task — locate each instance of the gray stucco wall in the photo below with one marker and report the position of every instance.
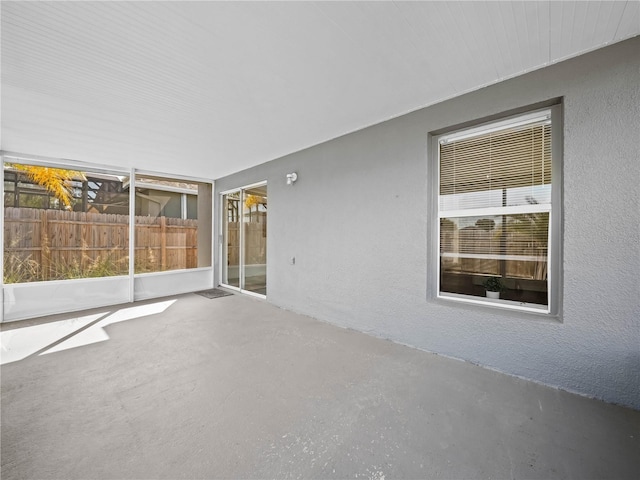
(357, 223)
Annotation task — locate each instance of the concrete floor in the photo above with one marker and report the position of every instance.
(233, 387)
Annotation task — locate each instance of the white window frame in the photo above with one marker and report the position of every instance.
(554, 280)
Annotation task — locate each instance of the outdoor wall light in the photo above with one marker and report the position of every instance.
(291, 177)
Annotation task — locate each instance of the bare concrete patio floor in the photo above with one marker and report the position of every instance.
(188, 387)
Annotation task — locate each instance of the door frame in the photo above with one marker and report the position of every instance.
(223, 219)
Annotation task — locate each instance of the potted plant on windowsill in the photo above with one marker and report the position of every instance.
(493, 286)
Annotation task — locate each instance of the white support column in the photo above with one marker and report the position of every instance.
(2, 242)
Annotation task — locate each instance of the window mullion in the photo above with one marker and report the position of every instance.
(491, 211)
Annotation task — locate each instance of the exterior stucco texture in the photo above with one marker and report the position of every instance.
(357, 222)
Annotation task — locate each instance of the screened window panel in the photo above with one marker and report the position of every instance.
(163, 239)
(62, 224)
(510, 167)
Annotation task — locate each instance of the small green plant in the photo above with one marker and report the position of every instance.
(494, 284)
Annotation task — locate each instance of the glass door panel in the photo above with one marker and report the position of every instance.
(254, 240)
(231, 239)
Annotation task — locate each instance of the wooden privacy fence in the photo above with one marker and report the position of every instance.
(477, 251)
(56, 244)
(164, 243)
(255, 243)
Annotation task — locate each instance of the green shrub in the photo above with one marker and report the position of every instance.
(494, 284)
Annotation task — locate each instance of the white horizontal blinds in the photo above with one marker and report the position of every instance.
(498, 168)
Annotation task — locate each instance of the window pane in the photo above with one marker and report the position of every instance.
(503, 172)
(62, 224)
(165, 238)
(509, 167)
(512, 247)
(192, 206)
(254, 233)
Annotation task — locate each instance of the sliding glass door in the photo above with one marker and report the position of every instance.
(245, 239)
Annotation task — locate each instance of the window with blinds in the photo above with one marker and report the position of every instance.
(494, 211)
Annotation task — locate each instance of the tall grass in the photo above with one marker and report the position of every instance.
(24, 270)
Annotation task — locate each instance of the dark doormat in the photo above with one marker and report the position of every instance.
(214, 293)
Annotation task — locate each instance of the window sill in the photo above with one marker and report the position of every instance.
(539, 310)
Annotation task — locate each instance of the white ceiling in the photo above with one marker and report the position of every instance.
(204, 88)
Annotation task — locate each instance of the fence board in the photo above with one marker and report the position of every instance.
(66, 244)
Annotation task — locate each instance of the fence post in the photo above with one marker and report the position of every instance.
(163, 243)
(44, 245)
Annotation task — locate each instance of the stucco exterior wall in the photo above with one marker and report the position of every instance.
(357, 223)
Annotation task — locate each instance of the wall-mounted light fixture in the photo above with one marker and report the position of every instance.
(291, 177)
